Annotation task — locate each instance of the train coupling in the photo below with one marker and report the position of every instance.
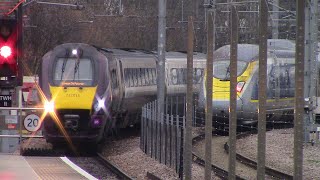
(71, 121)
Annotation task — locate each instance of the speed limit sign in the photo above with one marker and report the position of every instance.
(32, 122)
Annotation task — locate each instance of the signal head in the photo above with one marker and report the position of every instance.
(5, 51)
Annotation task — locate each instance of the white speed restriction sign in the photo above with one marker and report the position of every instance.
(32, 122)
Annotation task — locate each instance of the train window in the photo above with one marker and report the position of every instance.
(143, 78)
(197, 75)
(174, 76)
(146, 76)
(139, 76)
(73, 72)
(271, 79)
(179, 76)
(286, 79)
(183, 76)
(126, 78)
(114, 81)
(221, 69)
(130, 72)
(132, 78)
(135, 77)
(154, 76)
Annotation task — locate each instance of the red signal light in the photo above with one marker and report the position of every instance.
(5, 51)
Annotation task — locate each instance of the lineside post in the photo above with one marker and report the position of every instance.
(233, 92)
(161, 91)
(263, 35)
(299, 91)
(208, 127)
(188, 139)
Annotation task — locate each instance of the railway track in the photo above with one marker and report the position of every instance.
(217, 166)
(251, 163)
(121, 174)
(246, 168)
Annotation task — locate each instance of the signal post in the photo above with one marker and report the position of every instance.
(10, 73)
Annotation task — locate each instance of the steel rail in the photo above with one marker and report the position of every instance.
(216, 169)
(251, 163)
(220, 172)
(151, 176)
(112, 167)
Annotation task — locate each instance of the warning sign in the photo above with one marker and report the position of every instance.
(32, 122)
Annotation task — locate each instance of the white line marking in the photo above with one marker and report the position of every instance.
(31, 167)
(78, 169)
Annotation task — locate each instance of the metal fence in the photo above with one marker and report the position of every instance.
(20, 122)
(162, 139)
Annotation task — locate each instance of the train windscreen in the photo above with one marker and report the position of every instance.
(221, 69)
(73, 72)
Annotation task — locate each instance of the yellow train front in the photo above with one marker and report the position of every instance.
(74, 85)
(280, 84)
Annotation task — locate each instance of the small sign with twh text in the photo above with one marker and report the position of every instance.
(5, 100)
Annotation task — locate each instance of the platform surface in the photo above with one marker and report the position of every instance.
(16, 167)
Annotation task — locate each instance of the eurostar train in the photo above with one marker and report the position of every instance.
(92, 90)
(280, 83)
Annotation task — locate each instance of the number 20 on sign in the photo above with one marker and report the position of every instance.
(32, 122)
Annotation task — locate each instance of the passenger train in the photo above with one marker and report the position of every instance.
(92, 90)
(280, 83)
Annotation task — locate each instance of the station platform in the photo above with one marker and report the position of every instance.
(16, 167)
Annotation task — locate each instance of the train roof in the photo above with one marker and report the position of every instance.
(183, 56)
(246, 52)
(126, 51)
(281, 48)
(281, 44)
(170, 55)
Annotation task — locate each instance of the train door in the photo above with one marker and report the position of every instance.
(115, 75)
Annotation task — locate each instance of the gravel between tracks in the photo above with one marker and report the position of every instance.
(279, 152)
(127, 155)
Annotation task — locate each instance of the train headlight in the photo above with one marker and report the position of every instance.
(74, 52)
(98, 105)
(49, 106)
